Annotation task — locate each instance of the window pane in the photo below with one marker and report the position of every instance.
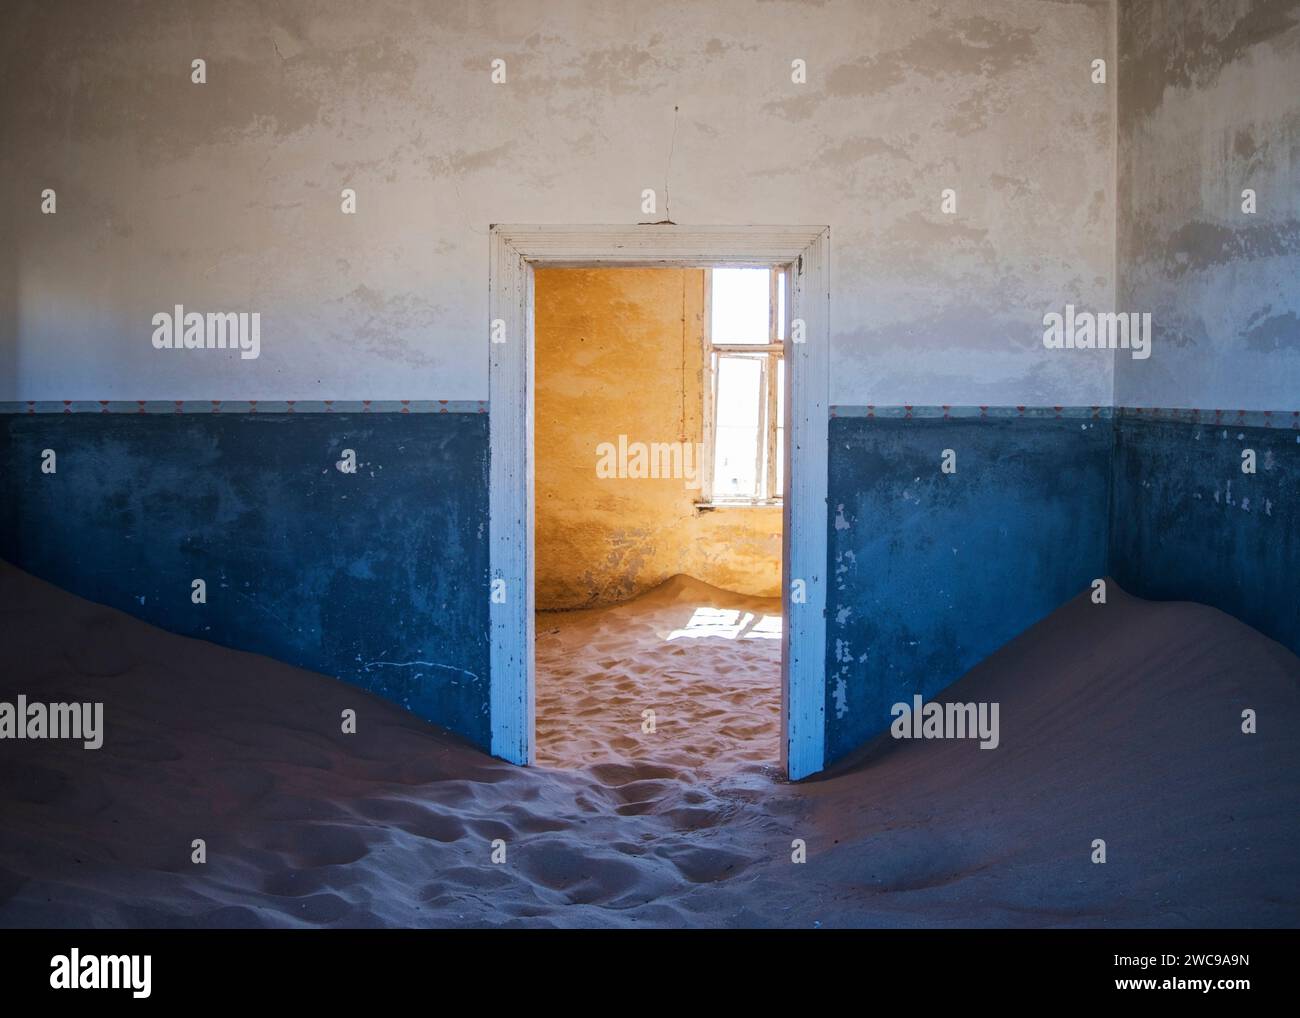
(739, 431)
(740, 305)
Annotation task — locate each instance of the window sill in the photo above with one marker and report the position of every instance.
(709, 506)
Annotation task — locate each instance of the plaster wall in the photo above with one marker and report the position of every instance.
(1209, 106)
(619, 352)
(226, 195)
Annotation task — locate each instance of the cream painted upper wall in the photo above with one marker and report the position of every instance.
(225, 196)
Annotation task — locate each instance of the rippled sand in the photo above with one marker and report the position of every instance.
(1119, 723)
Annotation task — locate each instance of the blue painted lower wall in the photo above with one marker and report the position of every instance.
(930, 573)
(1188, 524)
(379, 577)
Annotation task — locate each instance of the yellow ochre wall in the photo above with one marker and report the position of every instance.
(619, 352)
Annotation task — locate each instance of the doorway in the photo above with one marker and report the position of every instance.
(801, 253)
(657, 440)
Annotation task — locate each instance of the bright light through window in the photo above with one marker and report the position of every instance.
(736, 466)
(745, 359)
(740, 305)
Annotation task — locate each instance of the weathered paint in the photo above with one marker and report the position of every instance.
(1209, 106)
(1187, 524)
(620, 352)
(378, 577)
(227, 195)
(932, 572)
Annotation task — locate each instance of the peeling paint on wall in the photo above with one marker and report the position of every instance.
(931, 573)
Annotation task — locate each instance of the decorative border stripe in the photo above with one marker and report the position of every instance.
(241, 406)
(909, 412)
(1284, 419)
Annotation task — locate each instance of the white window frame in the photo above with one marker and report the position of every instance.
(773, 352)
(513, 253)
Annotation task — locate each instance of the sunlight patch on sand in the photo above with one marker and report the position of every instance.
(729, 624)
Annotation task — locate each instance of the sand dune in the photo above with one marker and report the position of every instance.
(1119, 723)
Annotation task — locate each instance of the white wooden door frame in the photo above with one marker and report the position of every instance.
(514, 251)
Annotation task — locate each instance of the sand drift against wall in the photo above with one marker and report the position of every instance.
(1120, 723)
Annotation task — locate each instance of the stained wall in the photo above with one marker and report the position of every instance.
(619, 355)
(227, 195)
(1209, 107)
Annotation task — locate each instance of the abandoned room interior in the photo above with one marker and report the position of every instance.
(763, 463)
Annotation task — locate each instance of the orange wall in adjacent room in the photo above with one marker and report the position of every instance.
(620, 352)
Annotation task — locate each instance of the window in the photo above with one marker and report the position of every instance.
(744, 386)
